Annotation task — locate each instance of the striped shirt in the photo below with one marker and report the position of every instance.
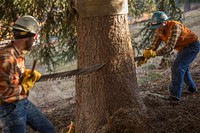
(170, 42)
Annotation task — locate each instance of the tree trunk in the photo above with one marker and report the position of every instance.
(107, 101)
(187, 5)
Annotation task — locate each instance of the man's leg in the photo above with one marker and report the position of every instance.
(13, 117)
(175, 86)
(190, 85)
(183, 60)
(37, 121)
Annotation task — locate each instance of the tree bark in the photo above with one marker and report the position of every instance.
(107, 101)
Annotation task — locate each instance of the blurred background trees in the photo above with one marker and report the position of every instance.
(57, 40)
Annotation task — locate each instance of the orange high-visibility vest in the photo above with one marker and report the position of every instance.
(186, 37)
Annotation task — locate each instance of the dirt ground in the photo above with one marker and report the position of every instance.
(169, 117)
(56, 99)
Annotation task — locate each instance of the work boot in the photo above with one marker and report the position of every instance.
(190, 90)
(173, 99)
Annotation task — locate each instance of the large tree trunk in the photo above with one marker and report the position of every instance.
(107, 101)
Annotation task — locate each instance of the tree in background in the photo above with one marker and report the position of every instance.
(57, 42)
(191, 4)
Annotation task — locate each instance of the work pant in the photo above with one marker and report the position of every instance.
(16, 116)
(180, 70)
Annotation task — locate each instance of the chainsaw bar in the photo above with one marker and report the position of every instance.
(69, 74)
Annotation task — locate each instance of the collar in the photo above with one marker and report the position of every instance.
(17, 52)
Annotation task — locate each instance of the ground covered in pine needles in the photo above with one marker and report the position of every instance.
(172, 117)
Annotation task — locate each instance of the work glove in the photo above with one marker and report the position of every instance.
(29, 80)
(148, 53)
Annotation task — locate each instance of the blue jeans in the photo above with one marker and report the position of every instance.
(16, 116)
(180, 70)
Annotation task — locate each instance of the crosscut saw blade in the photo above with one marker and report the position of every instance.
(69, 74)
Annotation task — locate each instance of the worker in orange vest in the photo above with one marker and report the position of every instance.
(175, 36)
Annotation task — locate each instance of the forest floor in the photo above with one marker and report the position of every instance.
(56, 99)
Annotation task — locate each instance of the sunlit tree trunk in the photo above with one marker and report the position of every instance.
(108, 101)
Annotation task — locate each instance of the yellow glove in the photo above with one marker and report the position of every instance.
(29, 80)
(148, 53)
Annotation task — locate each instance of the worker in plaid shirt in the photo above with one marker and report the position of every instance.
(16, 111)
(175, 36)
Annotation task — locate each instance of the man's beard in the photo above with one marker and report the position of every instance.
(28, 44)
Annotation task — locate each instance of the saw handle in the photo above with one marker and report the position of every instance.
(140, 60)
(33, 68)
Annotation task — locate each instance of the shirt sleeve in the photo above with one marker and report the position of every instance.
(171, 41)
(155, 42)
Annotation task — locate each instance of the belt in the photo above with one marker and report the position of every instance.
(197, 41)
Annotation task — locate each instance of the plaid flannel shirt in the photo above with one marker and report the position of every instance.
(170, 42)
(10, 90)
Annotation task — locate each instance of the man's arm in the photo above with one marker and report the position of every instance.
(155, 41)
(171, 41)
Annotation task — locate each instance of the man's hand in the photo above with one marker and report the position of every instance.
(148, 53)
(29, 80)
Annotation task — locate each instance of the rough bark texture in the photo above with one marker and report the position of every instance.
(108, 100)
